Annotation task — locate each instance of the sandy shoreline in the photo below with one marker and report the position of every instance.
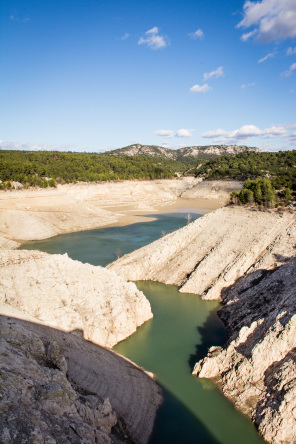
(43, 213)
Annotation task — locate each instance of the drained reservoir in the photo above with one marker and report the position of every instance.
(183, 327)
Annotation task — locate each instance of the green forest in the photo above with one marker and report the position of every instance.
(279, 167)
(43, 168)
(269, 177)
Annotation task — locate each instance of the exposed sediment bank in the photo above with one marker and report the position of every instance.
(42, 213)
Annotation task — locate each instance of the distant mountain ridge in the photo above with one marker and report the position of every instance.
(205, 152)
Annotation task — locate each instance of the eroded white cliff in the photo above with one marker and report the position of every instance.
(213, 251)
(59, 292)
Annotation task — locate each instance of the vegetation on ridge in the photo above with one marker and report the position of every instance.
(278, 167)
(43, 168)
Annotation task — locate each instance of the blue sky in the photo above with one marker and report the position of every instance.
(94, 75)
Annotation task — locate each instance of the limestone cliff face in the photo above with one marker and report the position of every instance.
(214, 251)
(60, 389)
(256, 369)
(189, 151)
(57, 291)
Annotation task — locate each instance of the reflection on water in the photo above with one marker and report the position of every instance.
(182, 329)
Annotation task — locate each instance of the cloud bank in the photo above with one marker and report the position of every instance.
(273, 20)
(33, 147)
(248, 131)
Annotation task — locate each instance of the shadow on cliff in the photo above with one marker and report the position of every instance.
(263, 296)
(212, 333)
(134, 396)
(93, 369)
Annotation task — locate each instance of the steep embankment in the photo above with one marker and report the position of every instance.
(256, 369)
(244, 257)
(59, 388)
(212, 252)
(57, 291)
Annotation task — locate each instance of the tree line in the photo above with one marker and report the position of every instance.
(43, 168)
(279, 167)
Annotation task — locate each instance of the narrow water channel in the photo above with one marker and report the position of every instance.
(194, 411)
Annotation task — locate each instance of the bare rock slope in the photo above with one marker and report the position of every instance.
(58, 388)
(57, 291)
(257, 368)
(244, 257)
(213, 251)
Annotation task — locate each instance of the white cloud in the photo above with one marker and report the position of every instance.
(198, 34)
(273, 20)
(214, 134)
(289, 71)
(248, 85)
(170, 133)
(33, 147)
(248, 131)
(216, 73)
(125, 36)
(268, 56)
(200, 88)
(248, 35)
(153, 39)
(154, 30)
(291, 51)
(164, 133)
(184, 133)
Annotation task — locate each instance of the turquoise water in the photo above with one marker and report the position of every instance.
(183, 327)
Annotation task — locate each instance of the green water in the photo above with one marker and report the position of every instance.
(182, 329)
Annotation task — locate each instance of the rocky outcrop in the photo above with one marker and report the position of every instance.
(256, 369)
(57, 291)
(189, 151)
(214, 251)
(57, 388)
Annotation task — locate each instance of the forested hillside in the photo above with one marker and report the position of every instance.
(279, 167)
(48, 168)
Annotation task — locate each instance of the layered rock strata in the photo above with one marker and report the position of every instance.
(214, 251)
(257, 367)
(58, 388)
(55, 290)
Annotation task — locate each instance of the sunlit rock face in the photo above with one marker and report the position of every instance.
(212, 252)
(57, 291)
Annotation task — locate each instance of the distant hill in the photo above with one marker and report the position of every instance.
(182, 154)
